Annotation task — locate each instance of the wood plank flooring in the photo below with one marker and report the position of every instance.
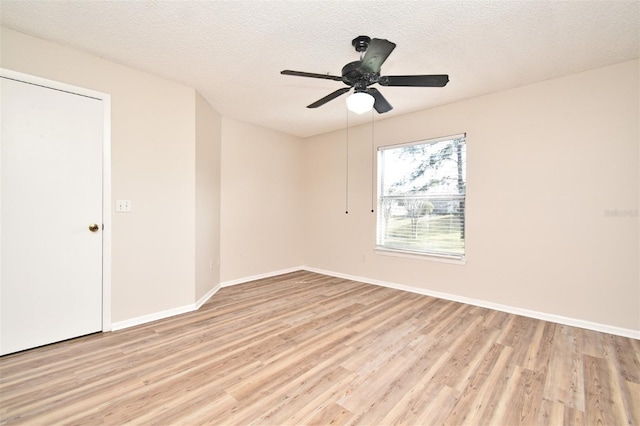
(304, 348)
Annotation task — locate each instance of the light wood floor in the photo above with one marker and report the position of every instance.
(305, 348)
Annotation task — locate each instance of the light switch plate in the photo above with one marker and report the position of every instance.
(123, 205)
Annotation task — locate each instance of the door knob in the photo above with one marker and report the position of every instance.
(94, 227)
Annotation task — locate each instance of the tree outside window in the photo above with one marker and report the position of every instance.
(421, 197)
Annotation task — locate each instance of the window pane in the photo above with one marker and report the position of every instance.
(421, 197)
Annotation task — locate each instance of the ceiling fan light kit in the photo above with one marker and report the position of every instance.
(366, 72)
(360, 102)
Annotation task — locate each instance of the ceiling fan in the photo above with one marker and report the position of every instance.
(366, 72)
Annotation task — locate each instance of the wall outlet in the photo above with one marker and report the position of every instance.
(123, 206)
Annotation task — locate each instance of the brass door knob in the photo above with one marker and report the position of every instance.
(94, 227)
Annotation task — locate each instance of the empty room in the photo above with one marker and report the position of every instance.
(319, 212)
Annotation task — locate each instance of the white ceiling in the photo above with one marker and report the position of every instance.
(232, 52)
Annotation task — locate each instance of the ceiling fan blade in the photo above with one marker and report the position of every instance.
(436, 80)
(329, 97)
(310, 74)
(381, 105)
(375, 55)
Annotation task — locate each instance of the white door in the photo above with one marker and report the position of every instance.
(51, 192)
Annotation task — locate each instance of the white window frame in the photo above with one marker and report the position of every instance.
(440, 256)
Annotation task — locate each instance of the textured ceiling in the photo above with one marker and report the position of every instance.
(232, 52)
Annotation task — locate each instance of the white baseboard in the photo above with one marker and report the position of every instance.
(195, 306)
(206, 297)
(164, 314)
(260, 276)
(152, 317)
(604, 328)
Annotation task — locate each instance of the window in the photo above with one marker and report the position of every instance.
(421, 197)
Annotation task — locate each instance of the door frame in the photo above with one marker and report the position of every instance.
(106, 175)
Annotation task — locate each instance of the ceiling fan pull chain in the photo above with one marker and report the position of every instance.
(346, 201)
(373, 159)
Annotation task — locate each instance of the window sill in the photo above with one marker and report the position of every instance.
(419, 256)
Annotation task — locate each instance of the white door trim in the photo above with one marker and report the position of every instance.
(106, 176)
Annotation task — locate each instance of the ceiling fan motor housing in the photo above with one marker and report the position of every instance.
(354, 75)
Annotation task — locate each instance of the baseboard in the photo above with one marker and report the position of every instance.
(604, 328)
(260, 276)
(206, 297)
(152, 317)
(164, 314)
(195, 306)
(558, 319)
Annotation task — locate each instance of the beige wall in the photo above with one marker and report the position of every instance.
(262, 197)
(207, 226)
(545, 164)
(153, 165)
